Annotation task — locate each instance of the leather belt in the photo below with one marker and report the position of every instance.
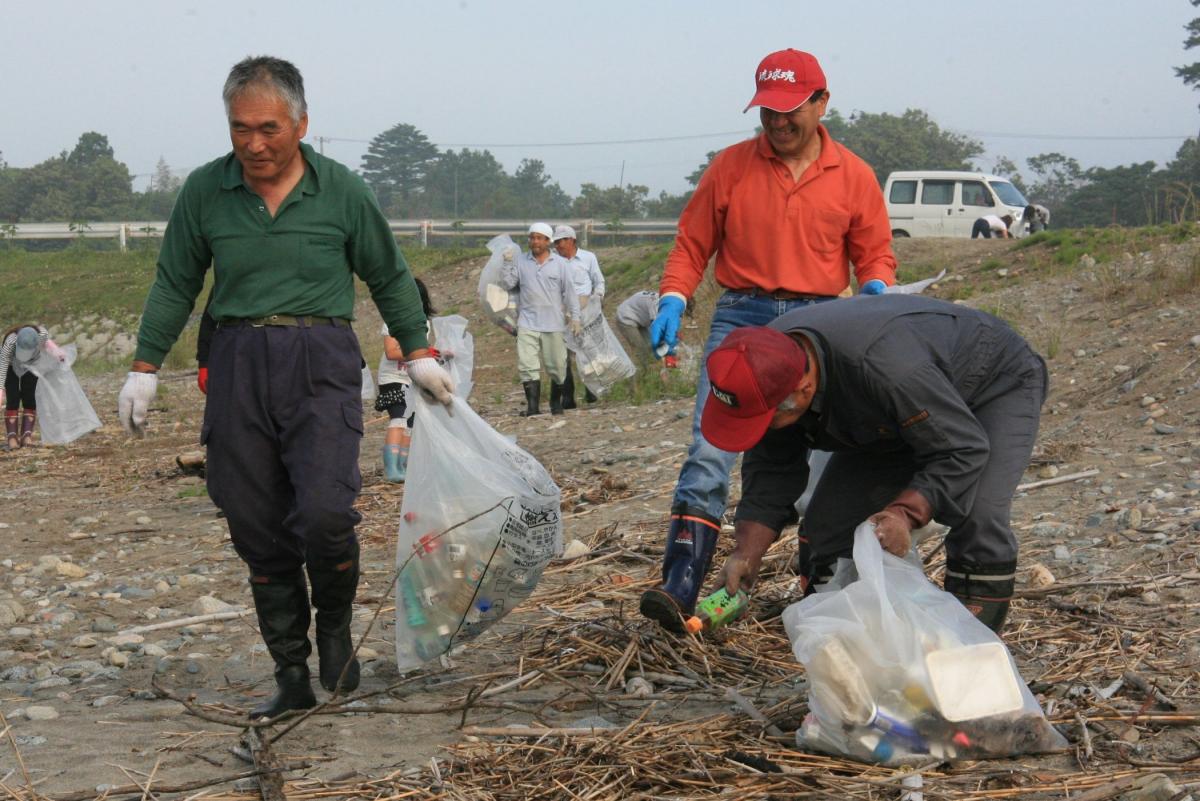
(778, 294)
(283, 320)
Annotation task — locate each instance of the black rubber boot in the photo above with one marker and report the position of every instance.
(556, 398)
(334, 584)
(568, 389)
(533, 398)
(588, 397)
(813, 572)
(691, 541)
(283, 617)
(985, 590)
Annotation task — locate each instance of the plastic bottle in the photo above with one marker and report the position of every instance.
(718, 609)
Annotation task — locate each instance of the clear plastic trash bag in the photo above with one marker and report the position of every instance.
(499, 304)
(899, 671)
(602, 360)
(479, 522)
(368, 386)
(64, 413)
(457, 347)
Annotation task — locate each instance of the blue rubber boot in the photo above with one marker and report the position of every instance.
(395, 463)
(691, 542)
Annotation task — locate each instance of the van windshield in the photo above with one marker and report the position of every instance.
(1009, 194)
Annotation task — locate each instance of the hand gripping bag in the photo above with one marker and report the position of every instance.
(479, 522)
(64, 413)
(602, 360)
(899, 671)
(457, 347)
(499, 304)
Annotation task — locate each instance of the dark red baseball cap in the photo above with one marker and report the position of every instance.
(785, 80)
(751, 372)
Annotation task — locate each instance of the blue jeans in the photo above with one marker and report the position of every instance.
(704, 478)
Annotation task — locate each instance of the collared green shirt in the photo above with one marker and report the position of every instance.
(302, 261)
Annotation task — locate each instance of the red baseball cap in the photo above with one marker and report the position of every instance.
(785, 80)
(751, 372)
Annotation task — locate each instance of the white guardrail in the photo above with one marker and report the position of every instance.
(425, 232)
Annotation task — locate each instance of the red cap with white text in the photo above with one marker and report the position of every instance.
(785, 80)
(751, 372)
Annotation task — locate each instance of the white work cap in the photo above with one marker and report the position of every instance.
(541, 228)
(563, 232)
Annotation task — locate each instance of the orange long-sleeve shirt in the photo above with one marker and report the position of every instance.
(772, 232)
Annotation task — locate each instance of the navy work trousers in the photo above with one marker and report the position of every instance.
(282, 424)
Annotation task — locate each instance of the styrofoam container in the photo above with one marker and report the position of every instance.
(973, 681)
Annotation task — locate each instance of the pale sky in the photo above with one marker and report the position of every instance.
(1092, 80)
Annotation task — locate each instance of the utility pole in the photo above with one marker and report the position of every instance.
(321, 140)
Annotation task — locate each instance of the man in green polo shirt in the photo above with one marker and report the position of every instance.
(285, 231)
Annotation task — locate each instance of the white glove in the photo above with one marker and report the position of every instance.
(510, 253)
(432, 379)
(134, 401)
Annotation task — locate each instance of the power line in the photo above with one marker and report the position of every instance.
(1079, 137)
(648, 140)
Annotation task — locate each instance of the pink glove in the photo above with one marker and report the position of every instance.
(54, 350)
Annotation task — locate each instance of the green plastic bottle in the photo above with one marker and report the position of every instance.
(718, 609)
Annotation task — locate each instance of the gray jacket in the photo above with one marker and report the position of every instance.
(546, 294)
(898, 373)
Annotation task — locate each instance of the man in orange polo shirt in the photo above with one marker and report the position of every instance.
(786, 214)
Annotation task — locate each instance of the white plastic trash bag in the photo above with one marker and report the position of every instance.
(368, 386)
(479, 522)
(602, 360)
(916, 287)
(457, 347)
(499, 304)
(64, 413)
(900, 671)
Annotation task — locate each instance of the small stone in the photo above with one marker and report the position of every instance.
(41, 713)
(192, 580)
(143, 520)
(155, 650)
(209, 605)
(70, 570)
(1047, 471)
(79, 535)
(575, 549)
(106, 700)
(1148, 400)
(1120, 369)
(104, 626)
(1152, 787)
(639, 687)
(1040, 575)
(122, 640)
(1163, 428)
(118, 659)
(1062, 553)
(84, 641)
(1129, 518)
(1080, 353)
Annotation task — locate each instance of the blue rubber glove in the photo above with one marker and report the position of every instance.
(665, 328)
(873, 287)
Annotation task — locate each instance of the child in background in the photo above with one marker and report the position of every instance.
(394, 386)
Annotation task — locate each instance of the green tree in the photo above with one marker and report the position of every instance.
(611, 203)
(1056, 178)
(395, 166)
(158, 199)
(666, 205)
(911, 141)
(1191, 73)
(90, 149)
(1128, 195)
(465, 184)
(535, 194)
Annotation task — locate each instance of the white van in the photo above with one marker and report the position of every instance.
(947, 203)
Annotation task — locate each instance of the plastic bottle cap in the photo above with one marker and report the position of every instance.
(693, 625)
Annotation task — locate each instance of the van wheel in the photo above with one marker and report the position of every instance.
(898, 234)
